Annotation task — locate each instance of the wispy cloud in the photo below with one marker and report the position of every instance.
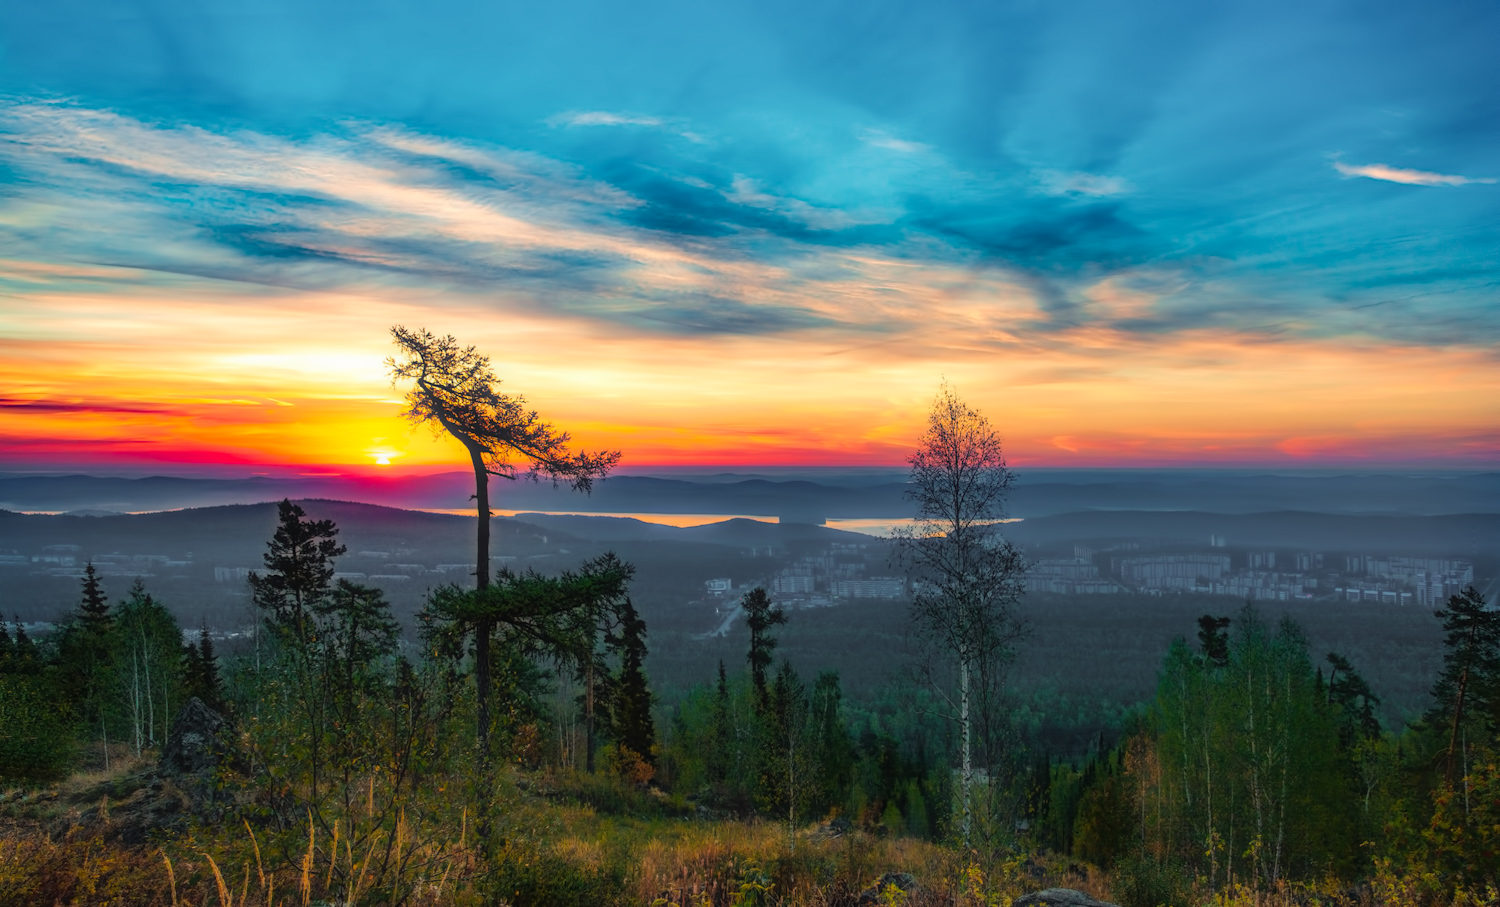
(1096, 185)
(878, 139)
(1406, 177)
(605, 118)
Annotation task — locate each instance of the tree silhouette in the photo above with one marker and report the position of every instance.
(299, 572)
(201, 671)
(1214, 639)
(631, 718)
(760, 617)
(454, 388)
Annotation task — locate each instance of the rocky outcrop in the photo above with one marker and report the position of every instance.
(1058, 897)
(198, 743)
(200, 750)
(900, 880)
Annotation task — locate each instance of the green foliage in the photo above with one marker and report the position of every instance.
(760, 616)
(84, 662)
(1250, 760)
(555, 617)
(631, 724)
(145, 645)
(200, 673)
(299, 569)
(36, 736)
(1466, 696)
(542, 879)
(1145, 882)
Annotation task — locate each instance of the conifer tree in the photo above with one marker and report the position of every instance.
(1469, 686)
(201, 671)
(93, 611)
(722, 730)
(27, 656)
(760, 616)
(83, 651)
(832, 745)
(1351, 693)
(299, 572)
(633, 726)
(7, 649)
(1214, 639)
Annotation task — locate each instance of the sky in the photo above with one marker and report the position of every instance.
(1257, 234)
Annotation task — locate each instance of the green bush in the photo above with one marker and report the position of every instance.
(36, 737)
(1147, 883)
(548, 880)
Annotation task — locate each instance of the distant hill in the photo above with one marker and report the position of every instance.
(1037, 493)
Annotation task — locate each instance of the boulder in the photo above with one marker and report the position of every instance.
(198, 743)
(1058, 897)
(902, 880)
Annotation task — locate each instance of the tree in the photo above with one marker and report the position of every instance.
(146, 645)
(83, 651)
(557, 617)
(1214, 638)
(1470, 681)
(1348, 690)
(789, 771)
(200, 672)
(633, 728)
(455, 389)
(760, 616)
(966, 579)
(299, 571)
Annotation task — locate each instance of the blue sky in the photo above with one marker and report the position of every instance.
(1295, 176)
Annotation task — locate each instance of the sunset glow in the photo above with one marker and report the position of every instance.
(786, 284)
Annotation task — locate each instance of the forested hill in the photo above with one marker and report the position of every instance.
(1039, 492)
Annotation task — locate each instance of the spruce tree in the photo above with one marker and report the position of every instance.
(201, 671)
(760, 616)
(83, 650)
(718, 756)
(1214, 638)
(93, 611)
(299, 572)
(7, 649)
(1351, 694)
(633, 726)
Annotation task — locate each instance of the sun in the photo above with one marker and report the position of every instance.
(381, 454)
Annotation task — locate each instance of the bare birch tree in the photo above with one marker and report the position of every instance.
(966, 579)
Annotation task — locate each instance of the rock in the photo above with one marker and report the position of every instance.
(200, 751)
(836, 827)
(197, 744)
(902, 880)
(1058, 897)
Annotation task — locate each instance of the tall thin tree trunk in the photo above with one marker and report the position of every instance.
(482, 506)
(482, 632)
(964, 724)
(1458, 713)
(588, 715)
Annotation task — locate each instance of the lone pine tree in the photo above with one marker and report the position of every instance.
(760, 616)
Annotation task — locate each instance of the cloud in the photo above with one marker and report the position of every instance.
(878, 139)
(78, 407)
(605, 118)
(1096, 185)
(1406, 177)
(745, 191)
